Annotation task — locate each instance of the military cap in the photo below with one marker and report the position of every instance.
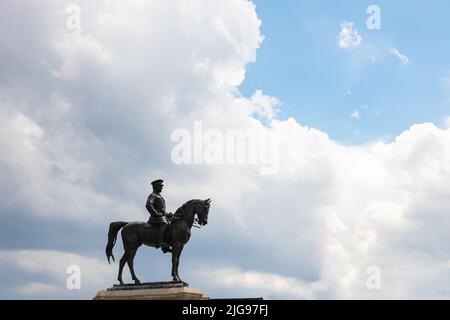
(156, 182)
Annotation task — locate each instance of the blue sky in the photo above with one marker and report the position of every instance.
(301, 63)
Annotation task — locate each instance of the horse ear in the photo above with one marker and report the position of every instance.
(208, 200)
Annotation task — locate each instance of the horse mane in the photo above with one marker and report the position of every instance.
(180, 210)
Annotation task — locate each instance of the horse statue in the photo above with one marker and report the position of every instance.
(192, 213)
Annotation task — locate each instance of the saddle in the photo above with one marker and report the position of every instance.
(155, 223)
(152, 225)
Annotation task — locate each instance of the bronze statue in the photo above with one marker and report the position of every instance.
(170, 231)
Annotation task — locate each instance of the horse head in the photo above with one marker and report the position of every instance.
(202, 210)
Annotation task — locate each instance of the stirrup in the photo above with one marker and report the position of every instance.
(166, 248)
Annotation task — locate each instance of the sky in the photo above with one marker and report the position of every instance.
(322, 84)
(344, 193)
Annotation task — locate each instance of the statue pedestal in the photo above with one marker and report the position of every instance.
(152, 291)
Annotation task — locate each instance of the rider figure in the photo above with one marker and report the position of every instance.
(156, 206)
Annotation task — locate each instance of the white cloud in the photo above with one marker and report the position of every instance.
(147, 80)
(38, 289)
(258, 283)
(260, 104)
(447, 122)
(78, 50)
(403, 59)
(84, 134)
(52, 266)
(53, 175)
(355, 114)
(349, 37)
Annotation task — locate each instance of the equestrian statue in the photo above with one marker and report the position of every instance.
(164, 230)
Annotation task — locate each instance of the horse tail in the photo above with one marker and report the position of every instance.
(114, 228)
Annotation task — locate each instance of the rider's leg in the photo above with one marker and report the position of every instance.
(165, 247)
(161, 232)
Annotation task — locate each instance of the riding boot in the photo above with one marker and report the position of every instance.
(161, 232)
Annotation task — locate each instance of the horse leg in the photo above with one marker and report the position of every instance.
(178, 262)
(175, 249)
(123, 260)
(130, 261)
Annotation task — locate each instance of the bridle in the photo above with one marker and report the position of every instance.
(196, 222)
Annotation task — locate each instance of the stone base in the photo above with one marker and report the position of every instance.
(152, 291)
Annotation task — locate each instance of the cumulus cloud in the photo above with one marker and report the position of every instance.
(83, 134)
(403, 58)
(115, 103)
(447, 122)
(38, 289)
(349, 37)
(52, 266)
(258, 283)
(49, 166)
(263, 105)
